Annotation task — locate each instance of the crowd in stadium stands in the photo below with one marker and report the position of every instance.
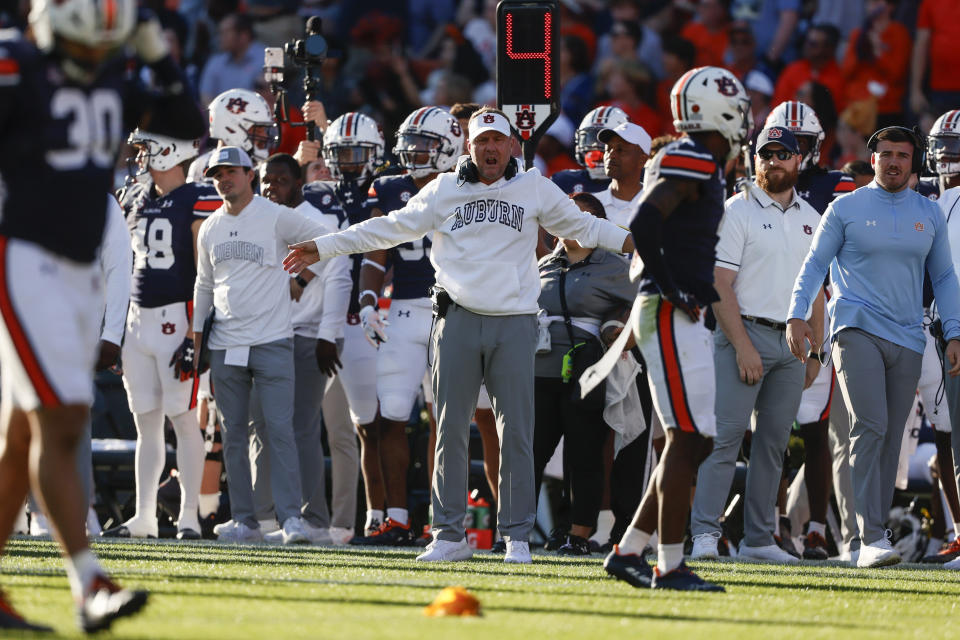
(849, 68)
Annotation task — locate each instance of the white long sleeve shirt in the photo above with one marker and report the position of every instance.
(322, 309)
(116, 264)
(485, 237)
(240, 273)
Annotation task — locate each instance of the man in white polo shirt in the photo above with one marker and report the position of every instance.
(764, 237)
(626, 152)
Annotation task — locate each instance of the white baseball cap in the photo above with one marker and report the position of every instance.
(632, 133)
(227, 157)
(488, 121)
(759, 82)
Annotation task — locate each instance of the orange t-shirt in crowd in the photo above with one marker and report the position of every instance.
(711, 46)
(890, 69)
(643, 115)
(560, 162)
(942, 18)
(800, 72)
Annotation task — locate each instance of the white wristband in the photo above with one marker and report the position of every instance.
(374, 264)
(611, 323)
(373, 293)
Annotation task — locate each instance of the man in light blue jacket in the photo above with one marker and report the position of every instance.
(877, 241)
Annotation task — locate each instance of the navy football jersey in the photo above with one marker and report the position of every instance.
(58, 146)
(689, 235)
(929, 187)
(577, 181)
(819, 187)
(347, 204)
(413, 273)
(161, 235)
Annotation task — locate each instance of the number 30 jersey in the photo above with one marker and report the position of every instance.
(161, 235)
(413, 273)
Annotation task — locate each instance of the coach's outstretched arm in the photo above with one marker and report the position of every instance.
(403, 225)
(826, 244)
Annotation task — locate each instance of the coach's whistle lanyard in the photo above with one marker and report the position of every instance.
(566, 367)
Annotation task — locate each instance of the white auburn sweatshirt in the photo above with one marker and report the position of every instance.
(484, 245)
(240, 273)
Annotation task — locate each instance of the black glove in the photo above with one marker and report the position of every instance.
(686, 302)
(182, 361)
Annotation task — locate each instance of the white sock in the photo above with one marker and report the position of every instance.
(398, 515)
(956, 528)
(190, 456)
(373, 515)
(82, 568)
(605, 522)
(933, 546)
(776, 523)
(669, 557)
(148, 465)
(634, 541)
(208, 503)
(817, 527)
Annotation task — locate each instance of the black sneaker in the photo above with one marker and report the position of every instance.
(815, 547)
(629, 567)
(188, 534)
(948, 553)
(574, 546)
(558, 537)
(390, 534)
(499, 546)
(10, 619)
(120, 531)
(682, 579)
(106, 602)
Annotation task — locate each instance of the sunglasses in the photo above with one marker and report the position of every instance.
(782, 154)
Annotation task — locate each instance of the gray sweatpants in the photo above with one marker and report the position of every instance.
(271, 366)
(344, 456)
(469, 350)
(776, 399)
(309, 384)
(878, 379)
(839, 434)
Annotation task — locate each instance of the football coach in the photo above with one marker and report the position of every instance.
(484, 218)
(877, 242)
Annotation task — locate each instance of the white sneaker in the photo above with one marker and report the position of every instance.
(93, 524)
(518, 552)
(293, 532)
(39, 526)
(269, 526)
(879, 553)
(446, 551)
(241, 534)
(705, 546)
(223, 527)
(22, 525)
(953, 564)
(769, 553)
(317, 535)
(341, 535)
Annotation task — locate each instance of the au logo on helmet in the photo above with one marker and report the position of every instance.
(726, 86)
(237, 105)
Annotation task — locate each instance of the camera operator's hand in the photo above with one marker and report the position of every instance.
(314, 112)
(148, 40)
(307, 152)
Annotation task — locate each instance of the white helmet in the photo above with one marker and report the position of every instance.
(160, 153)
(943, 144)
(353, 147)
(432, 133)
(712, 99)
(242, 118)
(802, 120)
(587, 149)
(89, 22)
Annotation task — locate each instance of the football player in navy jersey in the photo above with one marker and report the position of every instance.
(819, 187)
(588, 150)
(66, 100)
(158, 371)
(675, 228)
(943, 151)
(353, 151)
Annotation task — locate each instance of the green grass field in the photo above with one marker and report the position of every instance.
(208, 590)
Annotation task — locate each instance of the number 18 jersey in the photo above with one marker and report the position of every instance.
(161, 235)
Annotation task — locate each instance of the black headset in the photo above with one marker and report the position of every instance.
(919, 146)
(470, 173)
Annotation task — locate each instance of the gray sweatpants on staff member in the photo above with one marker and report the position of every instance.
(878, 380)
(309, 384)
(776, 399)
(271, 365)
(471, 349)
